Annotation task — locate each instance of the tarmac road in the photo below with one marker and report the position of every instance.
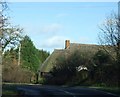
(57, 91)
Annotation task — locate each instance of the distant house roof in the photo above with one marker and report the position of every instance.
(51, 60)
(62, 53)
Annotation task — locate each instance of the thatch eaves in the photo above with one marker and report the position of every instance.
(50, 62)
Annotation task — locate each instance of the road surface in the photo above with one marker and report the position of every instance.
(57, 91)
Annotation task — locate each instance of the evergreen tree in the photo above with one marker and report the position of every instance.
(29, 55)
(43, 55)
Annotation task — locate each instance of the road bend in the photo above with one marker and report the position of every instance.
(57, 91)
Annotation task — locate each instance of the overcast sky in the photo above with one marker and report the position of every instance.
(49, 24)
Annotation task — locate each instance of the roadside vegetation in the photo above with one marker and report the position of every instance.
(20, 58)
(101, 73)
(102, 65)
(30, 60)
(9, 91)
(113, 90)
(21, 61)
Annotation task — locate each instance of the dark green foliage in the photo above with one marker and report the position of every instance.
(102, 70)
(101, 57)
(105, 70)
(29, 54)
(30, 60)
(65, 69)
(43, 55)
(31, 57)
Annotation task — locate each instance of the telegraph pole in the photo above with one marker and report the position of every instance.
(19, 52)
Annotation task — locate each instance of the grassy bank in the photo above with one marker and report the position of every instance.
(113, 90)
(9, 91)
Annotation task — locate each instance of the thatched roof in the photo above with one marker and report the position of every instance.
(59, 53)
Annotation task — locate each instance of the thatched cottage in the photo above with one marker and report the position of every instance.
(63, 53)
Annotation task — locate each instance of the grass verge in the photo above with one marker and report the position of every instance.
(113, 90)
(9, 91)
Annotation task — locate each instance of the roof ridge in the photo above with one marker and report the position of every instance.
(84, 44)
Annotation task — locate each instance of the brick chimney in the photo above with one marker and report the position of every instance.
(67, 44)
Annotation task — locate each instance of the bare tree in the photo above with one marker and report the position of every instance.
(3, 7)
(9, 35)
(109, 36)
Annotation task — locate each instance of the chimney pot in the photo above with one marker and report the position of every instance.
(67, 44)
